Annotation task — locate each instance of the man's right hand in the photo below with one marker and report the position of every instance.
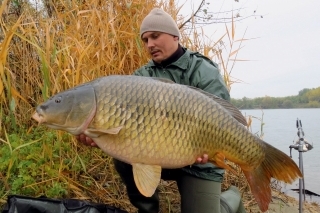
(202, 160)
(82, 138)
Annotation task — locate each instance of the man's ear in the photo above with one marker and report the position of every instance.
(176, 38)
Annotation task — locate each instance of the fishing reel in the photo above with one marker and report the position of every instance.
(301, 144)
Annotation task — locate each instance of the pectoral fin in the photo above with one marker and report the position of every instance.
(97, 132)
(146, 177)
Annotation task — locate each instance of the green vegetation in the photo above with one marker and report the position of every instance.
(307, 98)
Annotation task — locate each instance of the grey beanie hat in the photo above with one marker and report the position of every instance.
(159, 20)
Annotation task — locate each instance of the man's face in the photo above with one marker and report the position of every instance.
(160, 45)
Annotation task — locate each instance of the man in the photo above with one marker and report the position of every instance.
(199, 184)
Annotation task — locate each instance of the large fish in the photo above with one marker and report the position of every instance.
(154, 123)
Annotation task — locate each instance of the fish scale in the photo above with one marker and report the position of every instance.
(190, 136)
(154, 123)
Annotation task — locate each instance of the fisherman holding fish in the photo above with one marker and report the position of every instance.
(160, 123)
(200, 184)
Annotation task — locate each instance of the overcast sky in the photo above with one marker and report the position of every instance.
(286, 56)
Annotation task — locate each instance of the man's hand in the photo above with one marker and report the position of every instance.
(203, 159)
(82, 138)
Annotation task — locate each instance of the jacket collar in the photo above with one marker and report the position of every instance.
(173, 58)
(182, 61)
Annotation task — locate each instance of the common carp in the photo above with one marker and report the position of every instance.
(154, 123)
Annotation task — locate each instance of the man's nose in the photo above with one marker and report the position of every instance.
(150, 43)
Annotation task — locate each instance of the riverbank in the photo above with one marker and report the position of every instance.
(170, 201)
(100, 183)
(282, 203)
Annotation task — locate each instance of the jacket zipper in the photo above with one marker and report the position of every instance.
(164, 71)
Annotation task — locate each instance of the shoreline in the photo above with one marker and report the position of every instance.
(283, 203)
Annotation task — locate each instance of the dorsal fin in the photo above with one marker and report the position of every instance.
(234, 111)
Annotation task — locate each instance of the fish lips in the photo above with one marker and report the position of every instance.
(37, 115)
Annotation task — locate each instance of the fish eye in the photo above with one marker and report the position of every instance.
(57, 100)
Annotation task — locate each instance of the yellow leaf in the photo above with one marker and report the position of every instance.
(15, 93)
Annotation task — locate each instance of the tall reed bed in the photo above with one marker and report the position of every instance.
(50, 47)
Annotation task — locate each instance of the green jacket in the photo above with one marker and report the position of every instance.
(196, 70)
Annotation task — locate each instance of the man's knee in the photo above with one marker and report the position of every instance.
(231, 201)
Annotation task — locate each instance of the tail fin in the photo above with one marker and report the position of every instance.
(276, 165)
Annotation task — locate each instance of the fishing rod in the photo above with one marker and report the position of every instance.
(302, 146)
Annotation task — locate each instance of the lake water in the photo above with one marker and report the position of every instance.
(280, 130)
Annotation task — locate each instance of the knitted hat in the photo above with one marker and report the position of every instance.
(159, 20)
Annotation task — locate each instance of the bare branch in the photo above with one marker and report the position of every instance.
(194, 14)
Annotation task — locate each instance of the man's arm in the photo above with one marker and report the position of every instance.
(210, 80)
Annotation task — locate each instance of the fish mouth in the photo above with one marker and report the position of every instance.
(38, 117)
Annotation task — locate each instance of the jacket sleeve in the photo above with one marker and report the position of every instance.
(210, 80)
